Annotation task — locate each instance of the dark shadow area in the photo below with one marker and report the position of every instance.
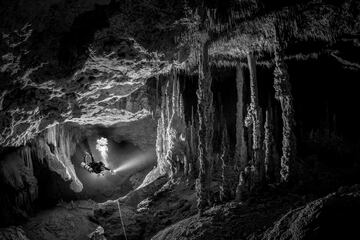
(51, 186)
(74, 44)
(328, 124)
(28, 186)
(225, 100)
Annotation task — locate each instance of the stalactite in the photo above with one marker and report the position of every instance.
(205, 132)
(282, 88)
(174, 94)
(63, 141)
(241, 148)
(163, 140)
(26, 155)
(156, 102)
(256, 117)
(160, 147)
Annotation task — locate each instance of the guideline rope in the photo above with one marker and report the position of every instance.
(122, 222)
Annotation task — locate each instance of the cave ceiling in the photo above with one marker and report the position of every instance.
(77, 61)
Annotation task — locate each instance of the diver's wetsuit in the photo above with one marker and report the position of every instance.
(92, 166)
(98, 167)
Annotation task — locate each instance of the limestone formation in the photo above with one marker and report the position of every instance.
(205, 110)
(182, 119)
(256, 121)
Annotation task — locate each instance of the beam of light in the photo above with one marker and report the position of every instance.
(139, 160)
(102, 147)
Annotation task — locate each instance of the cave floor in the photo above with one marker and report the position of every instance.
(65, 221)
(234, 220)
(167, 210)
(171, 213)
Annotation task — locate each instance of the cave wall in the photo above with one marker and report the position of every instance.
(40, 173)
(29, 183)
(19, 186)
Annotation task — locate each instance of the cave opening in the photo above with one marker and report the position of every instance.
(127, 162)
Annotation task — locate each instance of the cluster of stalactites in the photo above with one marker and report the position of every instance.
(219, 21)
(56, 146)
(264, 165)
(26, 155)
(171, 142)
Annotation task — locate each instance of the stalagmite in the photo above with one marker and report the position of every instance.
(192, 146)
(256, 117)
(205, 111)
(227, 190)
(283, 94)
(268, 145)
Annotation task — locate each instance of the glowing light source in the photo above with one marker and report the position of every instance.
(138, 161)
(102, 147)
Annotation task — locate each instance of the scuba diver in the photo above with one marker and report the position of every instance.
(92, 166)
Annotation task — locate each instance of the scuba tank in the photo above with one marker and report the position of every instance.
(86, 167)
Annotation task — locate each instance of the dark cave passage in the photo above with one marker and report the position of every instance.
(225, 98)
(74, 43)
(326, 96)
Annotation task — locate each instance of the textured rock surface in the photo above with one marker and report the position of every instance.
(109, 217)
(76, 61)
(90, 96)
(17, 178)
(230, 221)
(66, 221)
(92, 66)
(39, 91)
(148, 211)
(12, 233)
(335, 216)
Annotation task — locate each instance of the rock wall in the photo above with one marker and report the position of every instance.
(22, 169)
(333, 216)
(13, 233)
(20, 186)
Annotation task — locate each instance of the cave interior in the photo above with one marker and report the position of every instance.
(165, 120)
